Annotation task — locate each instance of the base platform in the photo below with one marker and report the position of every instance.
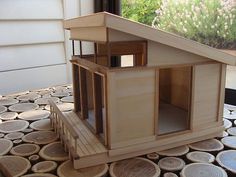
(87, 150)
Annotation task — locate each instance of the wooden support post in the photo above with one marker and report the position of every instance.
(97, 92)
(83, 92)
(95, 52)
(108, 54)
(73, 47)
(80, 49)
(76, 146)
(75, 69)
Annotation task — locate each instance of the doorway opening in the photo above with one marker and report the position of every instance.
(174, 99)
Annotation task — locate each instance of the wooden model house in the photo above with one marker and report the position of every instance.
(163, 91)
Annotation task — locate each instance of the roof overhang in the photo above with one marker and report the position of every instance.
(99, 22)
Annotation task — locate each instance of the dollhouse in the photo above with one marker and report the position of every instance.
(139, 90)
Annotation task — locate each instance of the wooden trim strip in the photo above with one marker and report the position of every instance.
(83, 92)
(75, 77)
(97, 92)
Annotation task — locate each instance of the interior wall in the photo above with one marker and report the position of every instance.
(34, 48)
(175, 86)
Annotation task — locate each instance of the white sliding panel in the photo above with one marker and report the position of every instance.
(28, 56)
(31, 9)
(34, 48)
(28, 79)
(30, 32)
(32, 45)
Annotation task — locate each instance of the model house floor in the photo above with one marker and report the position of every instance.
(171, 119)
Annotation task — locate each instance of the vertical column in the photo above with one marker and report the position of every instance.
(97, 92)
(83, 93)
(77, 106)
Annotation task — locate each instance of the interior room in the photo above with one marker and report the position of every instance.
(174, 99)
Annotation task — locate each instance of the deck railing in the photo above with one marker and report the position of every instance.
(64, 130)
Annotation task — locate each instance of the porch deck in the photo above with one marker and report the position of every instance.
(88, 143)
(84, 147)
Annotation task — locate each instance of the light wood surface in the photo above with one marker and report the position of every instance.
(44, 124)
(227, 159)
(199, 156)
(223, 134)
(170, 113)
(21, 107)
(90, 34)
(178, 151)
(169, 174)
(175, 86)
(116, 35)
(34, 115)
(60, 94)
(153, 157)
(2, 135)
(40, 137)
(230, 107)
(15, 165)
(128, 102)
(2, 109)
(27, 130)
(227, 123)
(230, 115)
(171, 164)
(5, 146)
(13, 126)
(8, 101)
(203, 170)
(229, 141)
(205, 95)
(164, 56)
(44, 101)
(88, 144)
(134, 167)
(17, 141)
(209, 145)
(29, 97)
(8, 115)
(34, 159)
(44, 167)
(68, 99)
(64, 107)
(232, 131)
(66, 169)
(14, 135)
(40, 175)
(53, 151)
(25, 150)
(114, 22)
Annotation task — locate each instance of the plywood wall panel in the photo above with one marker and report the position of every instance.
(206, 94)
(115, 35)
(131, 105)
(160, 54)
